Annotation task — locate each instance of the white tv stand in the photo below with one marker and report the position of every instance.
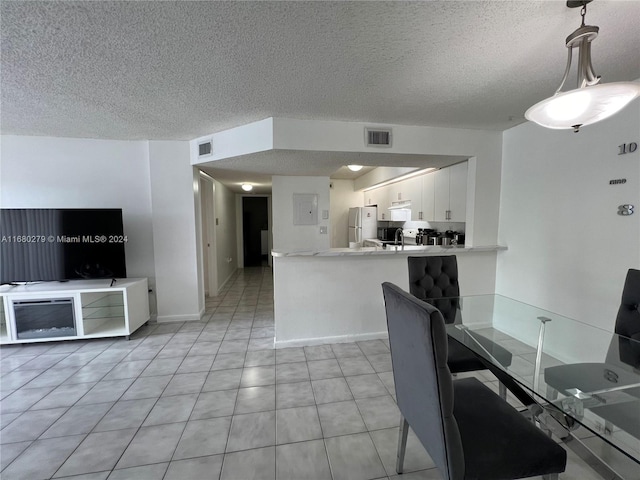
(100, 310)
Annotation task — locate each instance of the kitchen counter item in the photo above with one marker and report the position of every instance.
(458, 238)
(433, 239)
(409, 236)
(386, 233)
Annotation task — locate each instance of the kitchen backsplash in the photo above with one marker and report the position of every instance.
(444, 226)
(439, 226)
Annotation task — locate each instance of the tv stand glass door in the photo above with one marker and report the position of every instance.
(44, 318)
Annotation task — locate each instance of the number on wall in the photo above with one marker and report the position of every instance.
(627, 148)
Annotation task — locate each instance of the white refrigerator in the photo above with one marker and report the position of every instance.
(363, 224)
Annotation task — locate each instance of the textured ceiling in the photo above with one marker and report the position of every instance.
(179, 70)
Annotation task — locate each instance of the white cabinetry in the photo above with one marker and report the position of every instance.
(458, 192)
(413, 191)
(380, 198)
(94, 309)
(422, 197)
(398, 192)
(439, 196)
(450, 197)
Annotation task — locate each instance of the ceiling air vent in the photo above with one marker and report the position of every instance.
(205, 149)
(375, 137)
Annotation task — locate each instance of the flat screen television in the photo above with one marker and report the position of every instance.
(45, 244)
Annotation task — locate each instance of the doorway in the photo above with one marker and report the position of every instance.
(255, 227)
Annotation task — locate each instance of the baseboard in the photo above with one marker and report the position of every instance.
(220, 287)
(307, 342)
(177, 318)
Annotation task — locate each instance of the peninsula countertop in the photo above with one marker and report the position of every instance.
(389, 250)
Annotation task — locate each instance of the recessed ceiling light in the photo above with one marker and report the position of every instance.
(247, 187)
(354, 168)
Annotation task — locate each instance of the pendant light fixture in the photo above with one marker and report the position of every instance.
(589, 102)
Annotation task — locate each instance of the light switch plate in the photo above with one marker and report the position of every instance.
(325, 214)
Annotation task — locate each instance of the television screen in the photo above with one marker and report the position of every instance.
(61, 244)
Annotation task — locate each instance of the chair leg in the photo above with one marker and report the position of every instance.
(502, 389)
(551, 476)
(402, 444)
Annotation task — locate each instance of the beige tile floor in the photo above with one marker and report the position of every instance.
(207, 400)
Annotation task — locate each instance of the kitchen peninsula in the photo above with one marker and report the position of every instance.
(335, 295)
(323, 295)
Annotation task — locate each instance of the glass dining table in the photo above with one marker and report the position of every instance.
(567, 373)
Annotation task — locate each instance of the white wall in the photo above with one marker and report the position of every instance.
(250, 138)
(329, 299)
(286, 235)
(226, 250)
(342, 197)
(46, 172)
(174, 231)
(200, 256)
(209, 262)
(482, 148)
(568, 249)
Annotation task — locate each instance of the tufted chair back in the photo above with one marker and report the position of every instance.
(433, 279)
(628, 320)
(424, 387)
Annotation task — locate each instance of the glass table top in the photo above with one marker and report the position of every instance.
(590, 374)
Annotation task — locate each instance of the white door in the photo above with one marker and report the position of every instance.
(209, 263)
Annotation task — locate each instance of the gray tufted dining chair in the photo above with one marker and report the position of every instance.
(434, 279)
(620, 367)
(469, 431)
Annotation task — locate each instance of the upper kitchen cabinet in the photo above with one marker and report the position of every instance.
(412, 189)
(398, 192)
(450, 193)
(425, 209)
(380, 198)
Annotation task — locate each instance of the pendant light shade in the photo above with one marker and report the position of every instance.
(583, 106)
(590, 102)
